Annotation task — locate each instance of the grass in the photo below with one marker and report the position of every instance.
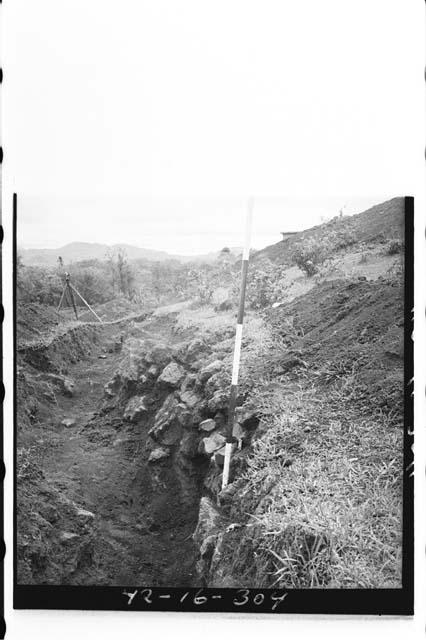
(322, 500)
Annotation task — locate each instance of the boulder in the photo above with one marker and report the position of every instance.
(207, 425)
(132, 364)
(190, 399)
(135, 408)
(211, 444)
(184, 416)
(189, 382)
(216, 381)
(209, 370)
(160, 453)
(167, 427)
(172, 375)
(218, 402)
(195, 349)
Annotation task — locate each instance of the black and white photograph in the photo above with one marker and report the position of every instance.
(213, 333)
(166, 438)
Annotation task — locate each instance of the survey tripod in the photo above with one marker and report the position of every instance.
(68, 293)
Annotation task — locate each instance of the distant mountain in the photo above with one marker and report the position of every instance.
(78, 251)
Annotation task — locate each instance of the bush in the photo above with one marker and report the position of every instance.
(266, 284)
(308, 255)
(394, 247)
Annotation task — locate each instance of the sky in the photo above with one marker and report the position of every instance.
(151, 122)
(184, 226)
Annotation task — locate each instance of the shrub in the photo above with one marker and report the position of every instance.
(266, 284)
(310, 254)
(344, 239)
(394, 247)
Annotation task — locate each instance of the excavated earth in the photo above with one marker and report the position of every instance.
(111, 456)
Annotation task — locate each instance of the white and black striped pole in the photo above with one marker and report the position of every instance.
(237, 347)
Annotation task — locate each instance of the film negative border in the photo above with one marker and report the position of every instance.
(395, 602)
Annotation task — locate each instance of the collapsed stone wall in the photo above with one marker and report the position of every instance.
(180, 394)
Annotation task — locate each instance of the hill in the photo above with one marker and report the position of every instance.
(376, 225)
(79, 251)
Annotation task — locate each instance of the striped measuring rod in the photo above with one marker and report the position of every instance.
(237, 347)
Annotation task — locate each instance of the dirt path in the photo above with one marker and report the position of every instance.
(141, 537)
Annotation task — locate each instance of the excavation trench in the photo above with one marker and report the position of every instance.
(120, 519)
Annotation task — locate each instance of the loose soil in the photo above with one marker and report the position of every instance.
(141, 536)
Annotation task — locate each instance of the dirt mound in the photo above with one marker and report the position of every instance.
(349, 327)
(34, 320)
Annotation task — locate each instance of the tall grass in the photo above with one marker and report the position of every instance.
(322, 500)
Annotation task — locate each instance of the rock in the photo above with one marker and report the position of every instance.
(190, 398)
(68, 422)
(111, 388)
(65, 385)
(209, 370)
(207, 425)
(218, 402)
(227, 494)
(160, 453)
(212, 443)
(135, 408)
(68, 388)
(158, 355)
(189, 382)
(217, 381)
(66, 536)
(83, 513)
(167, 427)
(209, 522)
(362, 278)
(153, 371)
(195, 349)
(189, 444)
(172, 375)
(239, 433)
(132, 365)
(247, 416)
(219, 419)
(50, 396)
(185, 417)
